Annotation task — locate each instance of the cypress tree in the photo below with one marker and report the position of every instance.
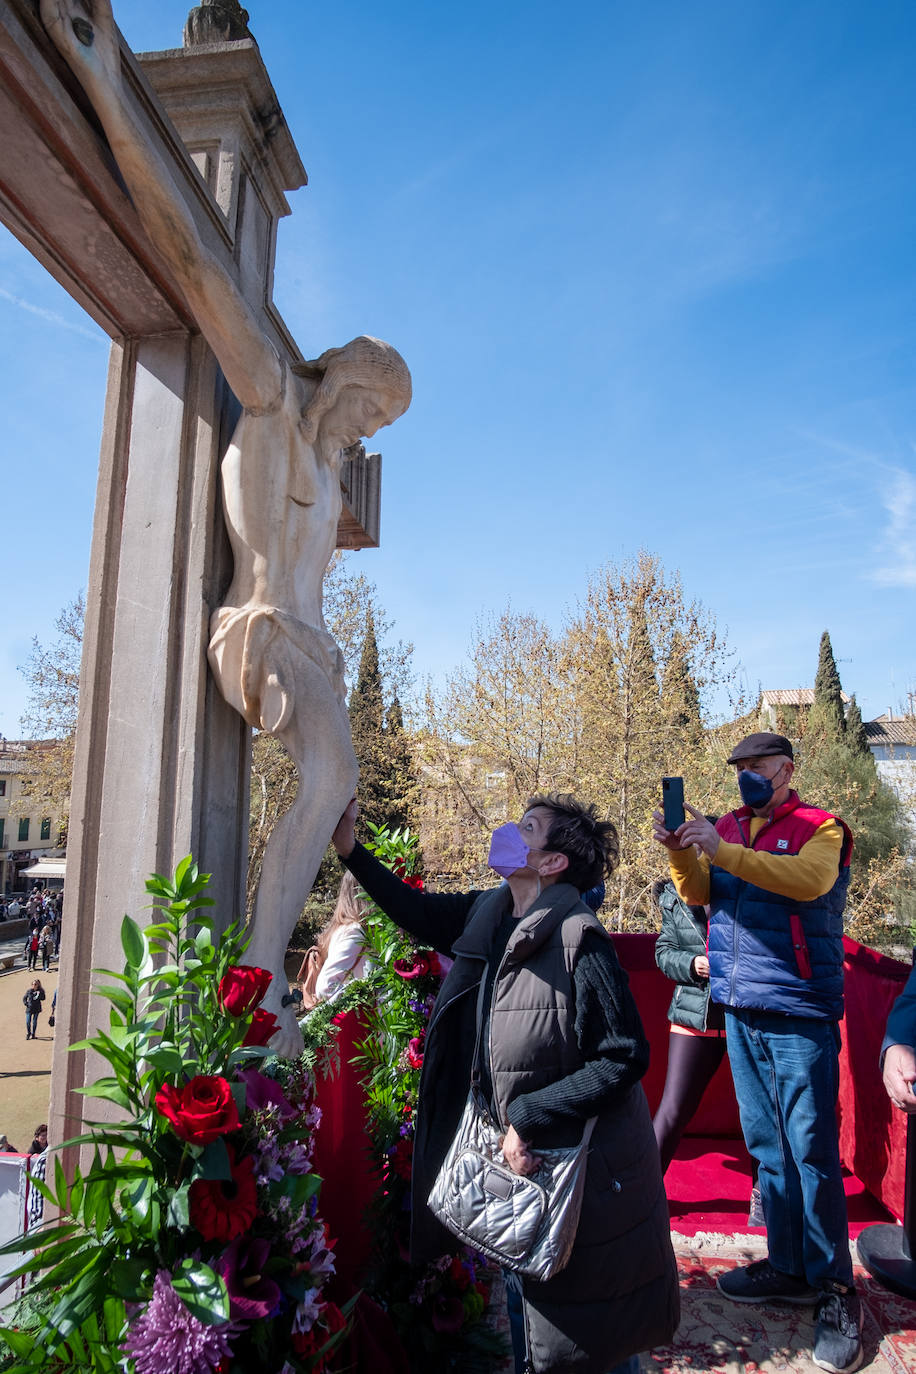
(856, 738)
(828, 690)
(401, 782)
(367, 726)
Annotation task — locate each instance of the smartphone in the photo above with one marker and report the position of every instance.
(673, 802)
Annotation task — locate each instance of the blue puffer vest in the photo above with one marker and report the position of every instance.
(772, 952)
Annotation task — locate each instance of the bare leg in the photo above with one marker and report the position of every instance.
(318, 739)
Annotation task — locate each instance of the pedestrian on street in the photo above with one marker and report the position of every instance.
(32, 1002)
(40, 1140)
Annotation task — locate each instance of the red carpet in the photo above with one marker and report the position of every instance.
(709, 1185)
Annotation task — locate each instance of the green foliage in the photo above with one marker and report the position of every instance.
(124, 1214)
(856, 737)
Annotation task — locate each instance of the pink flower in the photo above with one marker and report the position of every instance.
(415, 1051)
(414, 968)
(166, 1338)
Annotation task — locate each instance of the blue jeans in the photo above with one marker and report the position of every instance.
(786, 1075)
(31, 1022)
(517, 1332)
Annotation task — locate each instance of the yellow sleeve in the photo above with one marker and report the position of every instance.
(690, 875)
(803, 876)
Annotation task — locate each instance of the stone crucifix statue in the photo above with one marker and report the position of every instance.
(269, 649)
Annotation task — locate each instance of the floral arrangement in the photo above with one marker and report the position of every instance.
(439, 1309)
(192, 1244)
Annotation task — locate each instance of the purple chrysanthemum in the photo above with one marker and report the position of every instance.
(166, 1338)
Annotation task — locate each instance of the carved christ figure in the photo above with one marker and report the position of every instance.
(269, 650)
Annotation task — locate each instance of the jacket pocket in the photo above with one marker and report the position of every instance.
(800, 945)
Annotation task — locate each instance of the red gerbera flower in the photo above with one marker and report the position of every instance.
(223, 1208)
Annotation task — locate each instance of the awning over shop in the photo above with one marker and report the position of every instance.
(46, 868)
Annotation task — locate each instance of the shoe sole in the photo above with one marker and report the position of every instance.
(801, 1300)
(838, 1368)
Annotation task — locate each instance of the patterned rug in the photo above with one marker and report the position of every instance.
(721, 1337)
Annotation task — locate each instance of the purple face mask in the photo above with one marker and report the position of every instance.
(508, 851)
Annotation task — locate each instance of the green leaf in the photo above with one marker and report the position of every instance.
(178, 1214)
(239, 1095)
(20, 1342)
(202, 1291)
(60, 1183)
(130, 1277)
(82, 1298)
(109, 1089)
(77, 1191)
(132, 942)
(214, 1162)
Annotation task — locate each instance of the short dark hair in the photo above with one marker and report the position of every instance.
(591, 845)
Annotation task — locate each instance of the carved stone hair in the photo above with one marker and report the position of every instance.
(363, 362)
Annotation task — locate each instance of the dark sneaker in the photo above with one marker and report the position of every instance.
(755, 1215)
(838, 1332)
(760, 1282)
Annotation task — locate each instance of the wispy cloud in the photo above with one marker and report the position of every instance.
(52, 317)
(899, 542)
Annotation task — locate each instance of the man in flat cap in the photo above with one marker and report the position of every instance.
(774, 874)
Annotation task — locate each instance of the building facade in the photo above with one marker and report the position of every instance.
(27, 832)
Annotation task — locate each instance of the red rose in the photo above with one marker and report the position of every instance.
(459, 1275)
(415, 1051)
(241, 988)
(202, 1110)
(262, 1029)
(412, 968)
(223, 1208)
(414, 881)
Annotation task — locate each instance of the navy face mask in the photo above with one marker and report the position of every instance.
(756, 790)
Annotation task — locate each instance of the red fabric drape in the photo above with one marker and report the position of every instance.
(872, 1132)
(341, 1158)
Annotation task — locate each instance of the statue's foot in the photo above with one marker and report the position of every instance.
(286, 1042)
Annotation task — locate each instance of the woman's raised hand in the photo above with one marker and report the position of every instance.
(344, 837)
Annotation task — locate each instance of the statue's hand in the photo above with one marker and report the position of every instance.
(85, 33)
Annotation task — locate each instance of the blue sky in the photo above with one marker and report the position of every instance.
(653, 269)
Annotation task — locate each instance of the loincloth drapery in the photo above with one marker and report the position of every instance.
(256, 650)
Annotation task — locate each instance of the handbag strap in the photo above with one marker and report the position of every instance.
(482, 1106)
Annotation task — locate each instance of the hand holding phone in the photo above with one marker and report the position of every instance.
(673, 802)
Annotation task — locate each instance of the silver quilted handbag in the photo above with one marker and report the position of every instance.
(525, 1223)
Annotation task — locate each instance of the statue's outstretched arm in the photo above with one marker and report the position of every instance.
(85, 33)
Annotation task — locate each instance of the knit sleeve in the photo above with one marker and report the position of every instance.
(435, 919)
(611, 1039)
